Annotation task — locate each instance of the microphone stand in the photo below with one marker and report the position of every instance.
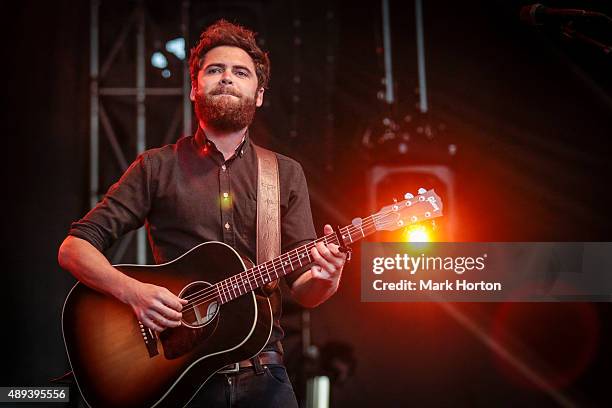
(569, 32)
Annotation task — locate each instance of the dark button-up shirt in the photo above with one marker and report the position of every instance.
(187, 193)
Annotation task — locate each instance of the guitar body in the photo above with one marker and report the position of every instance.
(118, 363)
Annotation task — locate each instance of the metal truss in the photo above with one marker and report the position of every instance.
(102, 96)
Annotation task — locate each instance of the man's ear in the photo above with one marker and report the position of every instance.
(192, 93)
(260, 96)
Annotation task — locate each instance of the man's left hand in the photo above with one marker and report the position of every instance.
(328, 259)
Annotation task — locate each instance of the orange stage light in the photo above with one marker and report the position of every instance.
(417, 233)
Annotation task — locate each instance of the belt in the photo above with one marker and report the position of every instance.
(263, 358)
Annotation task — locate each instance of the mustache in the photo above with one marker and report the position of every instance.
(226, 90)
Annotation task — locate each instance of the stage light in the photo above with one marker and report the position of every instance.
(177, 47)
(166, 73)
(390, 181)
(159, 60)
(417, 233)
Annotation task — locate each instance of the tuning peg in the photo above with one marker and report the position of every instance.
(421, 191)
(408, 196)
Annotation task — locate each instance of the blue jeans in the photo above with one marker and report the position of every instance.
(271, 389)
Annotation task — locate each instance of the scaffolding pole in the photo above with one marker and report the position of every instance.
(141, 142)
(420, 37)
(140, 91)
(186, 77)
(94, 113)
(389, 97)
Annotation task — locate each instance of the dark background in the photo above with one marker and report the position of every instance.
(531, 115)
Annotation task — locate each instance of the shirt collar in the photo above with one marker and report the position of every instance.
(203, 142)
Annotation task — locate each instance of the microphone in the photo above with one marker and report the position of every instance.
(537, 14)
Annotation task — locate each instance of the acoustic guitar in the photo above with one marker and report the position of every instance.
(118, 362)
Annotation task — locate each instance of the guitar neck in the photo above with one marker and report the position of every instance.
(298, 258)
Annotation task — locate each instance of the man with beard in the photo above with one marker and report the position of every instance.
(204, 188)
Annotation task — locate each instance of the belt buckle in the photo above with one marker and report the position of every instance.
(234, 369)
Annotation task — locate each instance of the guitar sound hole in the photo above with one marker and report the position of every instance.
(202, 307)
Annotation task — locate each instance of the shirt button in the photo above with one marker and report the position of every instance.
(223, 167)
(225, 195)
(227, 226)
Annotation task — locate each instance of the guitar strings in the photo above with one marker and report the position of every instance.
(227, 287)
(205, 295)
(208, 294)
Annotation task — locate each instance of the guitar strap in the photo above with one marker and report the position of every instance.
(268, 210)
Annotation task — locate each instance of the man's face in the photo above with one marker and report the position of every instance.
(226, 93)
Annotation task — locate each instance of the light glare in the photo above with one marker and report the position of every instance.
(177, 47)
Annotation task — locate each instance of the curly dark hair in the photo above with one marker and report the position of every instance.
(223, 32)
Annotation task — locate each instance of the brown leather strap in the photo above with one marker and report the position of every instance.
(268, 209)
(264, 358)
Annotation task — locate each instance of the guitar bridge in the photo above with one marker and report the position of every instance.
(150, 339)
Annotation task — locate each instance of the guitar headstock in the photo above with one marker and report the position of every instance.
(424, 206)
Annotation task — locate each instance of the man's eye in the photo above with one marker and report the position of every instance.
(242, 74)
(214, 70)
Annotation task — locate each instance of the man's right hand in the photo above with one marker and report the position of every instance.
(155, 306)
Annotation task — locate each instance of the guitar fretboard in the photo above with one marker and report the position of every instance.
(298, 258)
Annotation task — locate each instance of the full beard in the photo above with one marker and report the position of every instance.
(224, 113)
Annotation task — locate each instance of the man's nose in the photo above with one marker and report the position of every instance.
(226, 79)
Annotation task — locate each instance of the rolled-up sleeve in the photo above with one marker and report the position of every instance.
(297, 227)
(124, 207)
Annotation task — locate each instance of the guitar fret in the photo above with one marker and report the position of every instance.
(224, 290)
(224, 300)
(237, 285)
(234, 287)
(333, 239)
(267, 273)
(228, 289)
(298, 256)
(282, 265)
(249, 280)
(243, 282)
(274, 268)
(349, 235)
(293, 264)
